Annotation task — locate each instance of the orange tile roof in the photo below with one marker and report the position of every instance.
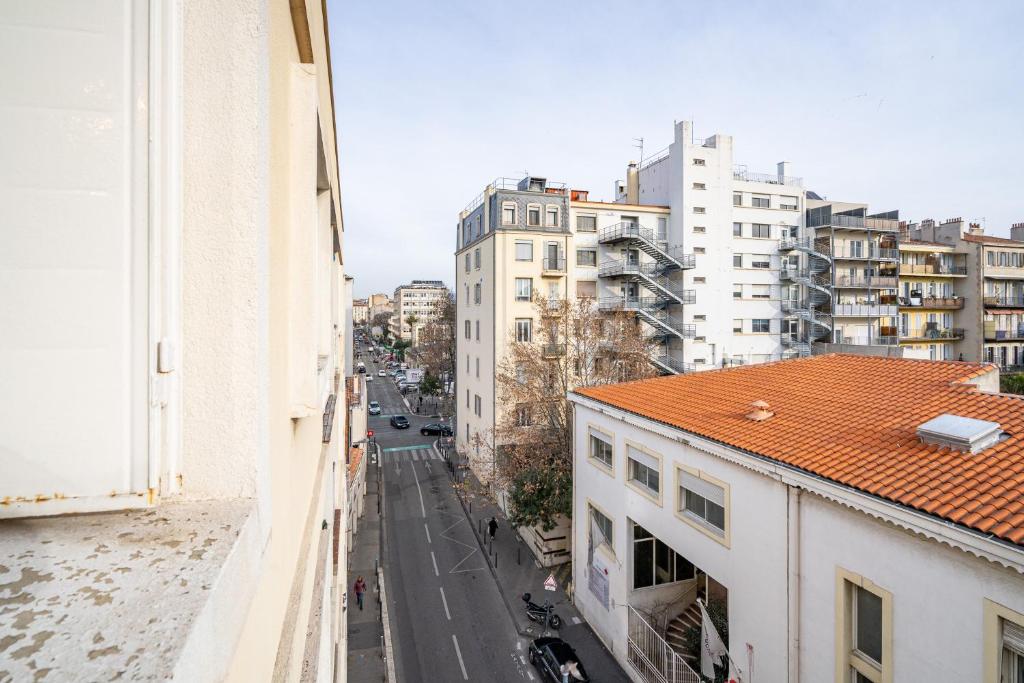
(992, 239)
(853, 419)
(355, 456)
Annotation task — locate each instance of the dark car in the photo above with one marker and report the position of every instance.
(549, 655)
(399, 422)
(435, 429)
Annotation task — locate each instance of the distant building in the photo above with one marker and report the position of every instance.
(416, 300)
(360, 311)
(821, 504)
(379, 303)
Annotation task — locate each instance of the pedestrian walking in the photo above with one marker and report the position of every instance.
(492, 526)
(359, 589)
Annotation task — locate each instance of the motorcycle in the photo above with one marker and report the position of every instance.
(542, 614)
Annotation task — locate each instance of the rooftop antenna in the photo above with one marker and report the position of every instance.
(640, 145)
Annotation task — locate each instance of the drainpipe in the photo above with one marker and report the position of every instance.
(793, 581)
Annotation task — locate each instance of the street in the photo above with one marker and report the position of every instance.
(448, 619)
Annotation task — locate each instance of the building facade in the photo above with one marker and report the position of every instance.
(360, 311)
(414, 306)
(812, 528)
(934, 286)
(379, 303)
(192, 321)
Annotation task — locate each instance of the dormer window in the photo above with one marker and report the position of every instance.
(533, 215)
(508, 213)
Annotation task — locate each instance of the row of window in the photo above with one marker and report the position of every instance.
(764, 201)
(1005, 259)
(477, 408)
(761, 261)
(700, 499)
(468, 328)
(534, 214)
(476, 259)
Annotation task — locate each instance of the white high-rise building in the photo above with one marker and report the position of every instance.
(416, 302)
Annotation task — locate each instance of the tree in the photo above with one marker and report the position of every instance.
(429, 385)
(1012, 384)
(575, 345)
(437, 350)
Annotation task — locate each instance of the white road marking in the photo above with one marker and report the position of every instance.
(434, 560)
(576, 621)
(522, 659)
(428, 532)
(458, 652)
(445, 602)
(530, 674)
(519, 645)
(416, 479)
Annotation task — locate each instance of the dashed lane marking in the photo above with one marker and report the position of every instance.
(444, 601)
(428, 532)
(458, 652)
(434, 560)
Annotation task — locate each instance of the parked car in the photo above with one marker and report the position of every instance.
(374, 407)
(381, 373)
(399, 422)
(369, 377)
(435, 429)
(550, 655)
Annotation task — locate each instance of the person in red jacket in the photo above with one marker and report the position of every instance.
(359, 588)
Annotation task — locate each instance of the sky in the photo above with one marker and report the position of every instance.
(916, 106)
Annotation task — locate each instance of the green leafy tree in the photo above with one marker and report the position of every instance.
(429, 385)
(1012, 384)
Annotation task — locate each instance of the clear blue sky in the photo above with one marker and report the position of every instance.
(916, 106)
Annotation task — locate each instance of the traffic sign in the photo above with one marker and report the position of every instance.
(549, 583)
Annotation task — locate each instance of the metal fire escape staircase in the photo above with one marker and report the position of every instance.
(654, 276)
(816, 292)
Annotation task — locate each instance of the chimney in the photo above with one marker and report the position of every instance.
(1017, 232)
(976, 229)
(760, 411)
(632, 184)
(782, 170)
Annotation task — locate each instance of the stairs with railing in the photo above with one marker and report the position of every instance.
(651, 276)
(644, 239)
(816, 284)
(675, 633)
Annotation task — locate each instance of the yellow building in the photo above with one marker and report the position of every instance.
(933, 282)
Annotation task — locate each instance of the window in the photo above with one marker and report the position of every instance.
(699, 209)
(698, 250)
(737, 325)
(467, 261)
(476, 293)
(524, 251)
(478, 330)
(476, 258)
(508, 213)
(524, 330)
(737, 230)
(737, 260)
(467, 406)
(787, 203)
(601, 448)
(702, 502)
(737, 291)
(700, 186)
(644, 470)
(533, 215)
(523, 416)
(467, 329)
(990, 258)
(551, 216)
(760, 325)
(699, 317)
(478, 366)
(698, 162)
(662, 232)
(654, 563)
(699, 361)
(603, 526)
(1004, 644)
(586, 289)
(737, 199)
(760, 261)
(699, 229)
(864, 615)
(586, 257)
(699, 280)
(760, 230)
(586, 223)
(477, 405)
(524, 289)
(760, 291)
(760, 201)
(467, 363)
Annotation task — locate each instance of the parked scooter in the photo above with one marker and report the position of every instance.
(542, 614)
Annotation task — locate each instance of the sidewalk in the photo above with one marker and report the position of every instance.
(516, 571)
(365, 631)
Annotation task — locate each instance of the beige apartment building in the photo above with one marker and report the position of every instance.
(934, 288)
(360, 311)
(416, 300)
(171, 344)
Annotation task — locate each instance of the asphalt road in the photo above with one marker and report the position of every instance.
(448, 620)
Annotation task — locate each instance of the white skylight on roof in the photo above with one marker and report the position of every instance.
(959, 432)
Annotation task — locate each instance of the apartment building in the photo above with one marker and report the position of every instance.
(416, 300)
(379, 303)
(934, 281)
(812, 526)
(993, 313)
(360, 311)
(170, 344)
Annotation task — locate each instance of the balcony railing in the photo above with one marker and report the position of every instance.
(553, 350)
(864, 310)
(873, 254)
(865, 340)
(1012, 334)
(867, 282)
(741, 173)
(948, 302)
(553, 265)
(1012, 300)
(860, 223)
(925, 333)
(931, 269)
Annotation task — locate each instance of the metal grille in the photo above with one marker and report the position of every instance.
(651, 656)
